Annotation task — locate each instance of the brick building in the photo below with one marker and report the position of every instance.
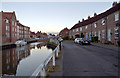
(12, 30)
(64, 33)
(105, 26)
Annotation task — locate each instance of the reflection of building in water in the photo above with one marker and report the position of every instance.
(12, 57)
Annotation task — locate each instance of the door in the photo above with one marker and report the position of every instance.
(109, 34)
(98, 35)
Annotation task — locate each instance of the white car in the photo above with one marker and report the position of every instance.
(77, 40)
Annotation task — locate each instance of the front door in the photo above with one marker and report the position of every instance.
(109, 34)
(98, 35)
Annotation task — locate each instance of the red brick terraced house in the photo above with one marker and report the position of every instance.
(64, 33)
(106, 26)
(12, 30)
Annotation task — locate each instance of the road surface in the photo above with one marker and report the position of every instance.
(88, 60)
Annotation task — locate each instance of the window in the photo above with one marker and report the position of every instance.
(103, 22)
(80, 28)
(116, 33)
(73, 30)
(7, 34)
(66, 32)
(12, 28)
(6, 20)
(95, 25)
(95, 34)
(116, 17)
(86, 27)
(13, 23)
(76, 29)
(103, 33)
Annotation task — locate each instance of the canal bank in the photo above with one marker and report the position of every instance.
(12, 45)
(23, 61)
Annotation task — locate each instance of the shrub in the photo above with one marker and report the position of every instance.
(63, 38)
(94, 39)
(67, 38)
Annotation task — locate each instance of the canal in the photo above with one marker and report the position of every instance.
(23, 61)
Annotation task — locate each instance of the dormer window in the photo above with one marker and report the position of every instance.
(95, 25)
(103, 22)
(86, 27)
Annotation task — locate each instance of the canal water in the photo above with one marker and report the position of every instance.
(23, 61)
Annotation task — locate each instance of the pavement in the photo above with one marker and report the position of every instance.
(86, 60)
(111, 47)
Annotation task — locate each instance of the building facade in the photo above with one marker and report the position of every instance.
(64, 33)
(12, 30)
(105, 26)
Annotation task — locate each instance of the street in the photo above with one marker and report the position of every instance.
(88, 60)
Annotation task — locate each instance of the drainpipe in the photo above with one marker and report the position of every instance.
(91, 31)
(106, 29)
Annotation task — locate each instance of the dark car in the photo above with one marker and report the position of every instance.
(84, 41)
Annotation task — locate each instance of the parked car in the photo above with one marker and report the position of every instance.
(84, 41)
(77, 40)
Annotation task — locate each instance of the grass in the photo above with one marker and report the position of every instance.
(59, 52)
(57, 67)
(47, 74)
(58, 57)
(52, 43)
(50, 69)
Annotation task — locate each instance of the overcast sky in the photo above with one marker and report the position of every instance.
(53, 16)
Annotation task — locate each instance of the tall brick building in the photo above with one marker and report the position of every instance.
(12, 30)
(105, 26)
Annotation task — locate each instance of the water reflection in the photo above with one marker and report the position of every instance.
(14, 57)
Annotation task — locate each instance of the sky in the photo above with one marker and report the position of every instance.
(53, 16)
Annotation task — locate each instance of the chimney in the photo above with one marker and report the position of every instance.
(82, 19)
(79, 21)
(95, 14)
(1, 11)
(88, 17)
(114, 3)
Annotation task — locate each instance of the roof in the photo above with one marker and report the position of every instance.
(97, 17)
(8, 14)
(64, 29)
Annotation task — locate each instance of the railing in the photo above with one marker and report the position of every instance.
(40, 71)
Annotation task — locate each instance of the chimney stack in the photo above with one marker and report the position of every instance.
(95, 14)
(79, 21)
(114, 3)
(88, 17)
(82, 19)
